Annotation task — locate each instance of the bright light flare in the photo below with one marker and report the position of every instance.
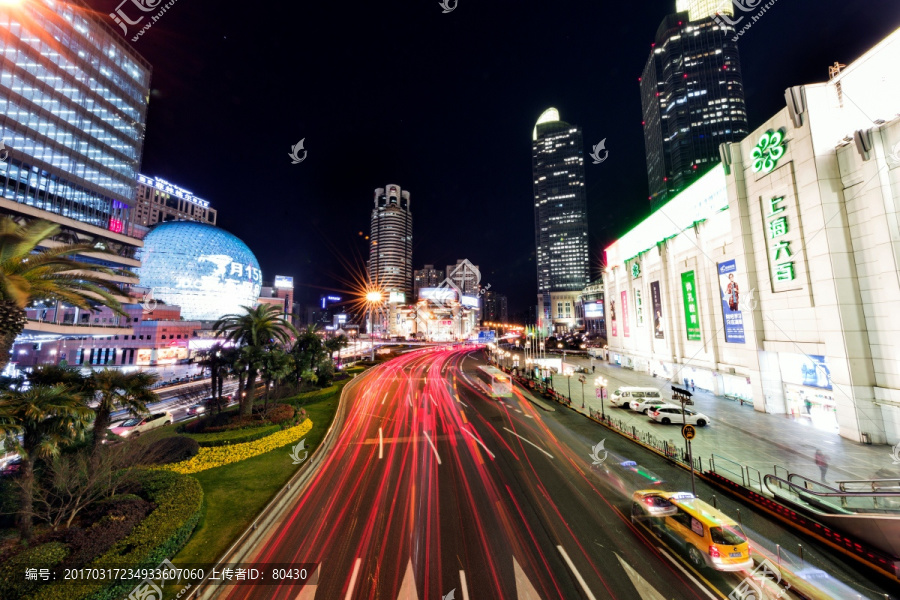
(375, 297)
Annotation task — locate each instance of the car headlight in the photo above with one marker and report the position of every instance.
(124, 433)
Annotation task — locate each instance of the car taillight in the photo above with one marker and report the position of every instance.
(655, 413)
(714, 552)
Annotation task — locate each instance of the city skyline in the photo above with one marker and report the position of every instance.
(488, 86)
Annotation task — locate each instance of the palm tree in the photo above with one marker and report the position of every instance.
(117, 389)
(216, 360)
(334, 344)
(276, 365)
(252, 330)
(308, 351)
(28, 275)
(36, 423)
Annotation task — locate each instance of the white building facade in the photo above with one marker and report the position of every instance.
(773, 278)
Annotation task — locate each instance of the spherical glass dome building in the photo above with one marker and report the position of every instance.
(203, 269)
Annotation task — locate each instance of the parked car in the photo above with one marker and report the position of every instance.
(669, 413)
(647, 404)
(623, 396)
(135, 427)
(11, 467)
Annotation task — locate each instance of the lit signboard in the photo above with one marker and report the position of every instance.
(470, 301)
(593, 310)
(284, 282)
(440, 294)
(397, 298)
(341, 318)
(169, 188)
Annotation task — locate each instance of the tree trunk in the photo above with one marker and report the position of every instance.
(27, 506)
(12, 323)
(101, 424)
(247, 403)
(219, 394)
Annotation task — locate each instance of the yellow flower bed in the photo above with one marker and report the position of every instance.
(217, 456)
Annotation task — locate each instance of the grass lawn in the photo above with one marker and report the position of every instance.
(235, 494)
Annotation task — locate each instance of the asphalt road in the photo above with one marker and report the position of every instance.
(435, 488)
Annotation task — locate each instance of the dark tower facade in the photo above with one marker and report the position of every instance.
(693, 99)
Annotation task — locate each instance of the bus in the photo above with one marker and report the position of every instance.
(494, 382)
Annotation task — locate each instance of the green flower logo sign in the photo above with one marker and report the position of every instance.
(635, 270)
(768, 150)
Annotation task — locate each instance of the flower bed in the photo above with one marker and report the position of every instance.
(234, 436)
(212, 457)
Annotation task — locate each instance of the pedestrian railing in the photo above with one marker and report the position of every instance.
(870, 485)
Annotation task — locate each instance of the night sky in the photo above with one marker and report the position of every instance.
(441, 104)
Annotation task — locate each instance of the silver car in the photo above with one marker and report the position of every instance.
(669, 413)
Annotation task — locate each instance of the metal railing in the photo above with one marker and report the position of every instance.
(818, 496)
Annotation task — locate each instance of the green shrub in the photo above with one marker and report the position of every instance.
(179, 499)
(280, 413)
(87, 544)
(173, 449)
(12, 571)
(233, 436)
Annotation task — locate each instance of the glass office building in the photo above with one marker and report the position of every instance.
(73, 106)
(692, 95)
(560, 218)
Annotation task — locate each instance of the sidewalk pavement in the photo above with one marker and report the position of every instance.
(737, 432)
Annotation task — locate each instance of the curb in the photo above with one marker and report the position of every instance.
(274, 511)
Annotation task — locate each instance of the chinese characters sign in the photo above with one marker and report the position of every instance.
(730, 290)
(778, 227)
(625, 331)
(638, 307)
(691, 313)
(659, 326)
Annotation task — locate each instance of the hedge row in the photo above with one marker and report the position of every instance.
(316, 394)
(234, 436)
(178, 500)
(12, 572)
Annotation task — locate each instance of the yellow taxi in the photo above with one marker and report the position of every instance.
(710, 537)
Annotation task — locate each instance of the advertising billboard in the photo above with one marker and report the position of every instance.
(612, 317)
(659, 324)
(730, 289)
(691, 313)
(593, 310)
(397, 298)
(624, 306)
(805, 369)
(438, 294)
(284, 282)
(470, 301)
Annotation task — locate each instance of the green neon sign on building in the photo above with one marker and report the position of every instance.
(767, 151)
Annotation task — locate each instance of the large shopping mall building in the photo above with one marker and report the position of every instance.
(775, 278)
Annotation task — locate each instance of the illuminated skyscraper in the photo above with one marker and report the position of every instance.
(692, 95)
(390, 243)
(560, 219)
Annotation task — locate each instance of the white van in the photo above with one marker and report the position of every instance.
(625, 395)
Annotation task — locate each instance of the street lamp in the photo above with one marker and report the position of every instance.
(373, 298)
(601, 382)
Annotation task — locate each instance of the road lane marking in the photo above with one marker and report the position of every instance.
(385, 397)
(408, 401)
(529, 442)
(524, 588)
(480, 443)
(577, 574)
(308, 591)
(436, 455)
(645, 590)
(353, 579)
(685, 571)
(462, 584)
(527, 416)
(408, 587)
(432, 400)
(380, 444)
(519, 410)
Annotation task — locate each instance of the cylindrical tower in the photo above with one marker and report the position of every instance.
(390, 245)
